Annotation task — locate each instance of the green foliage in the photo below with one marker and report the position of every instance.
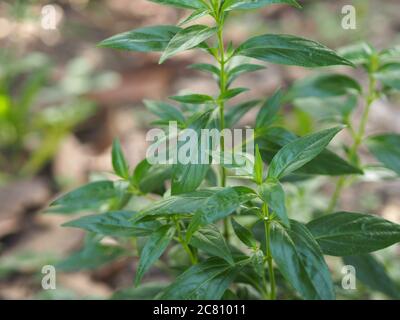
(232, 233)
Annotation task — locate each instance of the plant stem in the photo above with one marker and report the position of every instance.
(181, 240)
(267, 227)
(358, 138)
(221, 104)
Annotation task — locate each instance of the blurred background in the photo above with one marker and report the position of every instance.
(63, 101)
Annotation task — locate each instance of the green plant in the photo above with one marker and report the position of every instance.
(239, 241)
(36, 114)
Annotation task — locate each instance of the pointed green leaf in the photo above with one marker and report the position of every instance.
(211, 241)
(149, 178)
(119, 163)
(207, 280)
(299, 152)
(193, 98)
(244, 234)
(206, 67)
(255, 4)
(91, 196)
(269, 110)
(323, 86)
(155, 246)
(273, 194)
(165, 111)
(241, 69)
(234, 114)
(301, 262)
(185, 4)
(187, 39)
(117, 224)
(231, 93)
(389, 74)
(258, 174)
(290, 50)
(359, 53)
(194, 16)
(348, 233)
(212, 203)
(386, 148)
(146, 39)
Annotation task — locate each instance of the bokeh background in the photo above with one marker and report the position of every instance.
(70, 99)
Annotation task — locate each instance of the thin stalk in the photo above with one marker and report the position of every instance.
(221, 103)
(358, 138)
(181, 240)
(267, 227)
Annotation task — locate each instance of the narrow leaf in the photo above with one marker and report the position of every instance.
(119, 163)
(146, 39)
(386, 148)
(153, 249)
(290, 50)
(347, 233)
(244, 234)
(301, 262)
(297, 153)
(273, 194)
(187, 39)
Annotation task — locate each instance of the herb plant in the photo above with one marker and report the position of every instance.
(238, 239)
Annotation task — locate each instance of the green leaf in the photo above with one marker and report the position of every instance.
(93, 255)
(257, 260)
(185, 4)
(297, 153)
(258, 174)
(165, 111)
(147, 291)
(187, 39)
(348, 233)
(155, 246)
(269, 110)
(91, 196)
(373, 274)
(255, 4)
(244, 234)
(273, 194)
(220, 205)
(207, 280)
(386, 148)
(328, 109)
(301, 262)
(231, 93)
(389, 74)
(290, 50)
(117, 224)
(149, 178)
(234, 114)
(193, 98)
(241, 69)
(194, 16)
(188, 177)
(213, 203)
(323, 86)
(390, 54)
(119, 163)
(206, 67)
(146, 39)
(326, 163)
(359, 53)
(211, 241)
